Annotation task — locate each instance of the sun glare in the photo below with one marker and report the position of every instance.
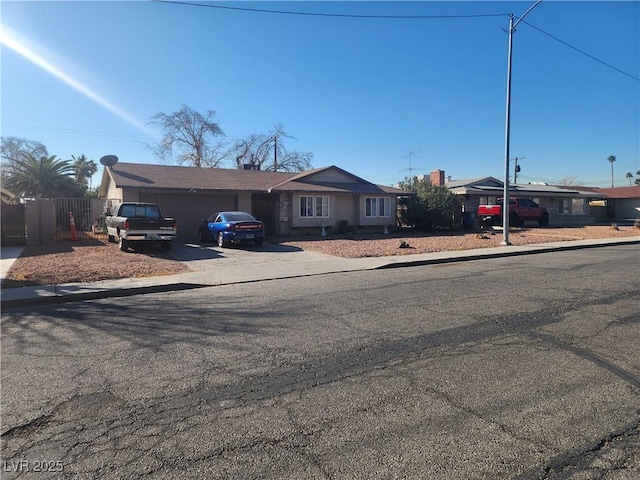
(10, 40)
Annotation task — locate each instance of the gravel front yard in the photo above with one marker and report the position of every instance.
(384, 245)
(93, 259)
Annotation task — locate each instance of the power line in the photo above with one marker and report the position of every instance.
(71, 131)
(338, 15)
(582, 52)
(397, 17)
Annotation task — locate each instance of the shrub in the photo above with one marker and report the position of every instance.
(343, 227)
(432, 207)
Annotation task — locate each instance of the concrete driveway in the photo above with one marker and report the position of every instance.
(208, 256)
(8, 255)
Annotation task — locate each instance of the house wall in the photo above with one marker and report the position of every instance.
(347, 206)
(284, 218)
(342, 206)
(298, 221)
(115, 193)
(578, 214)
(332, 176)
(387, 220)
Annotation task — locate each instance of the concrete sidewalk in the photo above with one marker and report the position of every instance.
(309, 264)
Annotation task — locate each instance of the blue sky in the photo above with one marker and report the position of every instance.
(374, 96)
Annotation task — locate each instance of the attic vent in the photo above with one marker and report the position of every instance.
(251, 166)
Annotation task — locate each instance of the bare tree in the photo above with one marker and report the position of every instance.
(268, 152)
(569, 181)
(13, 147)
(189, 138)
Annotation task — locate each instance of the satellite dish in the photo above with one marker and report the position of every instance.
(109, 160)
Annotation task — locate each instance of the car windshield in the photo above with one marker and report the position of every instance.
(238, 217)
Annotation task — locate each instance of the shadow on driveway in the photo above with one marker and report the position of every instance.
(191, 250)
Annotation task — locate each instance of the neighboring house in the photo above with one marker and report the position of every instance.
(620, 203)
(623, 202)
(566, 205)
(285, 202)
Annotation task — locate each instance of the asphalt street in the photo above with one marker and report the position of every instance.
(522, 367)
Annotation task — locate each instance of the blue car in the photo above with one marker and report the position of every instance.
(226, 227)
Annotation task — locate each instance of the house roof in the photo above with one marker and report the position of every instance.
(134, 175)
(485, 181)
(6, 196)
(621, 192)
(491, 186)
(143, 176)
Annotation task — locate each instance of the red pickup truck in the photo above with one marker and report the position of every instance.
(520, 210)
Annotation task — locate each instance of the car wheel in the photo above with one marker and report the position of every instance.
(111, 239)
(124, 245)
(258, 242)
(221, 242)
(544, 220)
(514, 221)
(202, 236)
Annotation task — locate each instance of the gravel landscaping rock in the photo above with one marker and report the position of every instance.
(94, 259)
(409, 243)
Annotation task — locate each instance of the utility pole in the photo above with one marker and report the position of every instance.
(507, 130)
(516, 170)
(275, 153)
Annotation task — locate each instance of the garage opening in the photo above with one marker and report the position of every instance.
(263, 208)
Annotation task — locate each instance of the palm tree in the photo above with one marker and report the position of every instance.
(43, 177)
(611, 158)
(84, 169)
(629, 175)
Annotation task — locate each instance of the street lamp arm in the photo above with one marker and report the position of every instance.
(525, 14)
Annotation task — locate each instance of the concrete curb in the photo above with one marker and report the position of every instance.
(541, 248)
(38, 296)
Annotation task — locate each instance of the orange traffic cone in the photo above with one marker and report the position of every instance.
(74, 234)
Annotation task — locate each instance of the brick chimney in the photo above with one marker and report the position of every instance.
(437, 178)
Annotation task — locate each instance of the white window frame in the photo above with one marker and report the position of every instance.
(314, 206)
(571, 206)
(377, 207)
(306, 210)
(321, 206)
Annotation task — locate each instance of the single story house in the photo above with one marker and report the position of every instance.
(619, 204)
(566, 205)
(286, 202)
